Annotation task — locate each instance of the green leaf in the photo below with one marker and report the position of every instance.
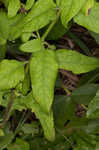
(93, 107)
(11, 73)
(76, 62)
(19, 145)
(24, 102)
(87, 141)
(43, 71)
(87, 7)
(29, 4)
(40, 7)
(57, 31)
(46, 120)
(90, 77)
(10, 28)
(91, 21)
(1, 132)
(16, 26)
(97, 146)
(13, 8)
(63, 110)
(69, 8)
(95, 36)
(40, 15)
(84, 94)
(5, 140)
(2, 41)
(32, 46)
(4, 25)
(40, 21)
(30, 128)
(26, 36)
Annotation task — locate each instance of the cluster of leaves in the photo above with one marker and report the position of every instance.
(29, 82)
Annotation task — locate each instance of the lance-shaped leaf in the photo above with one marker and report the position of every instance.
(24, 102)
(69, 8)
(93, 108)
(29, 4)
(4, 25)
(40, 7)
(43, 71)
(13, 7)
(45, 119)
(11, 73)
(76, 62)
(40, 21)
(40, 15)
(91, 21)
(32, 46)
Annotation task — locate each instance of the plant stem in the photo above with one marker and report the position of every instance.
(51, 26)
(84, 107)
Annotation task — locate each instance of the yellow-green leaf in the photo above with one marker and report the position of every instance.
(43, 71)
(13, 7)
(91, 22)
(32, 46)
(76, 62)
(11, 73)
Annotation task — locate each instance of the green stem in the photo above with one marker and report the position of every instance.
(51, 26)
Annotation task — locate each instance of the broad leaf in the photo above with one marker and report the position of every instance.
(13, 7)
(40, 21)
(43, 71)
(84, 94)
(91, 21)
(88, 5)
(4, 25)
(10, 28)
(93, 107)
(11, 73)
(57, 31)
(63, 110)
(26, 36)
(76, 62)
(40, 7)
(32, 46)
(46, 120)
(69, 8)
(29, 4)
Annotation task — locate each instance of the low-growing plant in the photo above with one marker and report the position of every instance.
(29, 75)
